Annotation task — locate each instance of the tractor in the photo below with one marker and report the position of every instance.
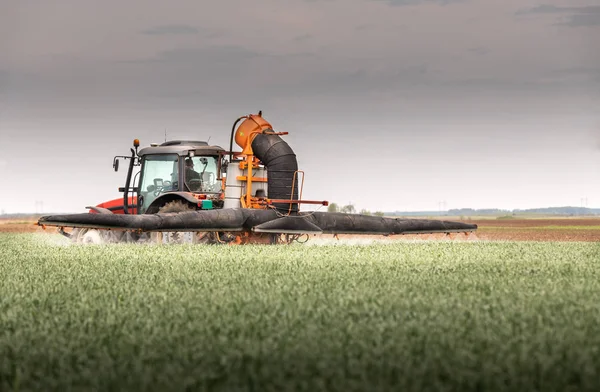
(175, 176)
(186, 175)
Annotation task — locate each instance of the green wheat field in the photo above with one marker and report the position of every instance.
(407, 316)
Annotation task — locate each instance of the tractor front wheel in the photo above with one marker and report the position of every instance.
(92, 237)
(176, 237)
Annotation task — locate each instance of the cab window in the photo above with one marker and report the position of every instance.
(159, 175)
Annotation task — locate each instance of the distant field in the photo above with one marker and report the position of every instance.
(406, 316)
(574, 229)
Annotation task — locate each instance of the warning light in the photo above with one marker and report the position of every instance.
(136, 143)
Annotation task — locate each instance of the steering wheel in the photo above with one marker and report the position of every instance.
(160, 188)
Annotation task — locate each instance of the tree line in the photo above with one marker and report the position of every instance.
(350, 209)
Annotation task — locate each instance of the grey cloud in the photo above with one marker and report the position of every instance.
(171, 29)
(204, 55)
(330, 84)
(586, 71)
(424, 77)
(586, 78)
(221, 53)
(337, 83)
(580, 20)
(3, 78)
(573, 16)
(224, 75)
(416, 2)
(302, 37)
(552, 9)
(192, 76)
(480, 84)
(546, 83)
(256, 64)
(231, 56)
(480, 50)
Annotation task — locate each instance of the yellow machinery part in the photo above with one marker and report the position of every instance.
(246, 131)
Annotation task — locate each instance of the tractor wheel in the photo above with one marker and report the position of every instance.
(76, 234)
(85, 236)
(175, 237)
(92, 237)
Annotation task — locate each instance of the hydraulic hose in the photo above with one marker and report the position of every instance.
(231, 138)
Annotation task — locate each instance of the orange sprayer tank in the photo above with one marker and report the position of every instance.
(251, 125)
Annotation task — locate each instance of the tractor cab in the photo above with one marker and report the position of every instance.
(185, 169)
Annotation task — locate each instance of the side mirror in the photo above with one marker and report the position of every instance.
(116, 164)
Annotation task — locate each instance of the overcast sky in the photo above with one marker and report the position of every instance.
(389, 104)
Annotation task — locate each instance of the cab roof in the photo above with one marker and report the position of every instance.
(181, 148)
